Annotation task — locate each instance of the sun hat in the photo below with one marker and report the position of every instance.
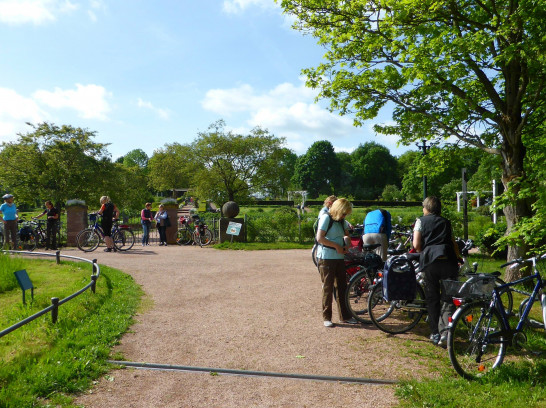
(6, 196)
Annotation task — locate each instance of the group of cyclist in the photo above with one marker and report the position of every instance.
(432, 238)
(10, 217)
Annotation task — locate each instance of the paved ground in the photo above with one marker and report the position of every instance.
(251, 310)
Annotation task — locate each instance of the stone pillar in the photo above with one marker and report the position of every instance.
(172, 211)
(76, 220)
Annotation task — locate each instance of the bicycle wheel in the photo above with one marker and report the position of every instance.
(184, 236)
(474, 342)
(124, 239)
(356, 297)
(203, 237)
(397, 316)
(28, 243)
(88, 240)
(314, 254)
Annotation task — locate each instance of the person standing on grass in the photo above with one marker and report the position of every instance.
(51, 225)
(109, 212)
(333, 239)
(9, 217)
(146, 221)
(433, 238)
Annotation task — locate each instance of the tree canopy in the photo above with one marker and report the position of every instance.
(232, 166)
(468, 70)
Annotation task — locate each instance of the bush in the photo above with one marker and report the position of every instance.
(487, 238)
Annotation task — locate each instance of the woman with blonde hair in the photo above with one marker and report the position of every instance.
(109, 212)
(333, 239)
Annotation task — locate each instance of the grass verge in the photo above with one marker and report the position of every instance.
(41, 363)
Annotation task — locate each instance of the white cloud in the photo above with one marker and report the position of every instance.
(162, 113)
(286, 110)
(33, 11)
(237, 6)
(15, 110)
(90, 101)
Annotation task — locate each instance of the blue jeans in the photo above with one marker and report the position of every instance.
(145, 233)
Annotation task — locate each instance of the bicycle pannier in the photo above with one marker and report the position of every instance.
(399, 281)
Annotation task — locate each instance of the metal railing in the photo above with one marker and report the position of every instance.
(55, 302)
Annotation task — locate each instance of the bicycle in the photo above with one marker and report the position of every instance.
(199, 234)
(480, 332)
(89, 239)
(362, 273)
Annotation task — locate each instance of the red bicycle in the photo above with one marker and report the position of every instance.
(197, 233)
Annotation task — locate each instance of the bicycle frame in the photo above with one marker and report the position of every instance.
(497, 302)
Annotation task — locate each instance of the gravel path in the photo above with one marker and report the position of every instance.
(250, 310)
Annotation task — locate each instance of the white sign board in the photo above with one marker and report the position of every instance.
(234, 228)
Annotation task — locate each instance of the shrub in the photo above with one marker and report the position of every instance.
(487, 238)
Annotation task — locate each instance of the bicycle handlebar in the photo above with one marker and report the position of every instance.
(521, 260)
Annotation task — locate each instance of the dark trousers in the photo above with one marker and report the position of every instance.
(334, 277)
(51, 234)
(434, 273)
(10, 229)
(162, 234)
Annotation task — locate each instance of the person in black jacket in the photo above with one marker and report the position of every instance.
(51, 225)
(109, 212)
(433, 238)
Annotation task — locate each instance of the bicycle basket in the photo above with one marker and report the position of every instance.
(92, 217)
(479, 288)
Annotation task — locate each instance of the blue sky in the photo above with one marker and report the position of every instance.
(146, 73)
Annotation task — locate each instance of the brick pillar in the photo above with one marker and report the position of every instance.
(76, 220)
(172, 211)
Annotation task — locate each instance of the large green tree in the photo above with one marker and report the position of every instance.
(373, 168)
(54, 163)
(318, 170)
(467, 69)
(169, 168)
(230, 166)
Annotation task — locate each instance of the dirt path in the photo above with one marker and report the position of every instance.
(251, 310)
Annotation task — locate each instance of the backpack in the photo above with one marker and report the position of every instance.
(315, 228)
(383, 227)
(399, 282)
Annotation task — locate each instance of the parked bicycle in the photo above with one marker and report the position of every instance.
(197, 233)
(481, 332)
(362, 272)
(90, 238)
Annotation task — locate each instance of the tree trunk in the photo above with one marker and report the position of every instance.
(512, 171)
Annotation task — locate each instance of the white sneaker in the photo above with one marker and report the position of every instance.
(328, 323)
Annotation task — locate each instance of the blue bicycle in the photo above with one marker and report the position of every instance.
(480, 332)
(89, 239)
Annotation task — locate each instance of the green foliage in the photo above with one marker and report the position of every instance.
(373, 167)
(487, 239)
(318, 170)
(44, 360)
(230, 167)
(169, 168)
(391, 193)
(56, 163)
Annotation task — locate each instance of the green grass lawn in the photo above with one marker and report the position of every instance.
(44, 363)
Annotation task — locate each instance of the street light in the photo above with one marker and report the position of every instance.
(424, 149)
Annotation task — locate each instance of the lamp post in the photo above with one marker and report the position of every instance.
(424, 149)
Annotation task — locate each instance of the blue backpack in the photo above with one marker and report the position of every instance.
(399, 282)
